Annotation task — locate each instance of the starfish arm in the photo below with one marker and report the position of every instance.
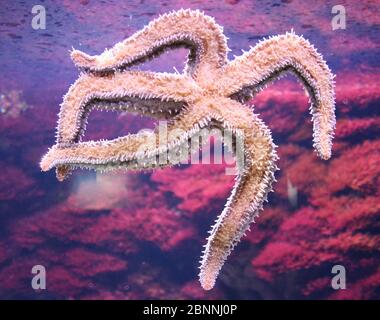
(146, 150)
(184, 28)
(254, 181)
(249, 73)
(138, 92)
(130, 152)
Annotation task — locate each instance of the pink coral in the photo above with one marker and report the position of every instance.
(15, 184)
(196, 186)
(90, 263)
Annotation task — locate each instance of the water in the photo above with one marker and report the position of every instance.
(140, 235)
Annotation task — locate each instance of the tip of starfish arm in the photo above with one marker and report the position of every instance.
(324, 152)
(81, 59)
(325, 155)
(207, 283)
(45, 163)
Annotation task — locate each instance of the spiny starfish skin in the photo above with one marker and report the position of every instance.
(185, 28)
(210, 94)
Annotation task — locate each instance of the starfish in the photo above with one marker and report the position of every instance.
(212, 92)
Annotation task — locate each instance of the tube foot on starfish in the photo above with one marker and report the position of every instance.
(211, 93)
